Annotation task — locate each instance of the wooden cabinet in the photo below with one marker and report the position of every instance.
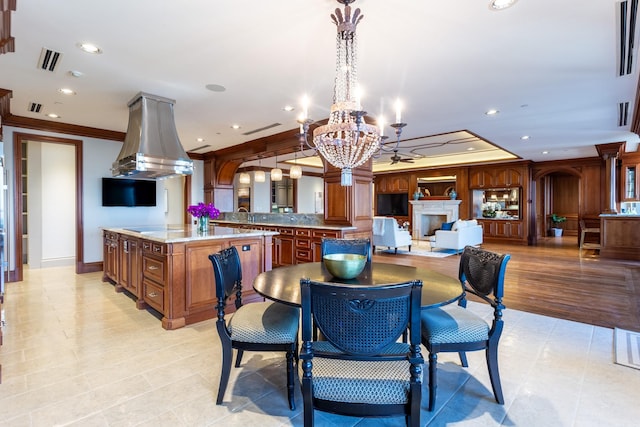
(316, 242)
(284, 253)
(480, 178)
(487, 177)
(176, 278)
(154, 275)
(250, 252)
(502, 229)
(392, 184)
(304, 251)
(129, 273)
(110, 258)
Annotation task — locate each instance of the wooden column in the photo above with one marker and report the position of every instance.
(610, 152)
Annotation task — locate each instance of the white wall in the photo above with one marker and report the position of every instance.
(51, 196)
(307, 189)
(98, 155)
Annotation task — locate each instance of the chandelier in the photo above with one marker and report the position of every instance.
(346, 141)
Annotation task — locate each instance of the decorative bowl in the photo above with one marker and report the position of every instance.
(344, 266)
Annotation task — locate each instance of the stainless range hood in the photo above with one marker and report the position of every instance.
(151, 146)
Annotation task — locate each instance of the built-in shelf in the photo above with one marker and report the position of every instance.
(497, 203)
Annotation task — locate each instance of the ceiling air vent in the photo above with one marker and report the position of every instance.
(626, 35)
(34, 107)
(200, 148)
(49, 59)
(623, 113)
(273, 125)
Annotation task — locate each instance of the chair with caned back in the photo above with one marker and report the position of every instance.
(360, 368)
(453, 328)
(258, 326)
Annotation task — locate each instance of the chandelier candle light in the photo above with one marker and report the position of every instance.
(346, 141)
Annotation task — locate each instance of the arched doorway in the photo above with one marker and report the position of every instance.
(558, 191)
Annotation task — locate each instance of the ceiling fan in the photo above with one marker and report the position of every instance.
(396, 158)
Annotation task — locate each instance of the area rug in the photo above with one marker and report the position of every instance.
(627, 348)
(436, 253)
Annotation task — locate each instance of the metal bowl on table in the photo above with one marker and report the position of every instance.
(345, 266)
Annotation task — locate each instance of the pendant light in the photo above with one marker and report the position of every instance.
(259, 175)
(276, 173)
(244, 178)
(296, 171)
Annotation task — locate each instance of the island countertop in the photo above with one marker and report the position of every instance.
(187, 233)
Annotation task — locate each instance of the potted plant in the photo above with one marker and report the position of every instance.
(556, 220)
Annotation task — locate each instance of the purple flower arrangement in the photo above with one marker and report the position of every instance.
(201, 209)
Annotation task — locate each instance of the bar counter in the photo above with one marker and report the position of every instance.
(620, 236)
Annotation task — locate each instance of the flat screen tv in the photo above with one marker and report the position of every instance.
(396, 204)
(128, 192)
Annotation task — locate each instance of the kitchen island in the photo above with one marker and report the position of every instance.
(167, 269)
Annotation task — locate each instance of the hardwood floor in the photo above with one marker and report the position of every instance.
(556, 279)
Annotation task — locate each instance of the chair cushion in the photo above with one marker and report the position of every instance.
(265, 322)
(447, 226)
(353, 381)
(452, 324)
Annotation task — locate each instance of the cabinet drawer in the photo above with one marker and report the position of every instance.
(154, 269)
(303, 243)
(303, 255)
(109, 235)
(154, 295)
(319, 234)
(286, 231)
(156, 248)
(303, 232)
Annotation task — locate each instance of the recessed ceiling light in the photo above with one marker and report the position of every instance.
(501, 4)
(216, 88)
(545, 152)
(236, 127)
(288, 108)
(525, 137)
(75, 73)
(200, 139)
(470, 149)
(53, 115)
(492, 112)
(66, 91)
(89, 48)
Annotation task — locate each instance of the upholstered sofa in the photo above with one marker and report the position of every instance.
(461, 234)
(386, 232)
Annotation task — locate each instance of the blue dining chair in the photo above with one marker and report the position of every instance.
(259, 326)
(453, 328)
(359, 368)
(331, 245)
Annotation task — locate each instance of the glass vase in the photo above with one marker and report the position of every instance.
(203, 224)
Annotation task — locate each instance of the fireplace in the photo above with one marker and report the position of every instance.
(428, 215)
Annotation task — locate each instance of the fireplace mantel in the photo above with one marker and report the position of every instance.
(430, 214)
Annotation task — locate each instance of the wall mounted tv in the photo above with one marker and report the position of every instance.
(128, 192)
(395, 204)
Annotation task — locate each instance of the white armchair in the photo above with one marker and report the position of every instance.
(463, 233)
(386, 232)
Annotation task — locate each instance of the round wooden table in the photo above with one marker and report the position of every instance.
(282, 284)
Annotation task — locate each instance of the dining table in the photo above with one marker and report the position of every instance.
(282, 284)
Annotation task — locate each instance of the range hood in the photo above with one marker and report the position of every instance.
(151, 146)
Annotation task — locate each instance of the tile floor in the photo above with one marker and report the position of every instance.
(77, 353)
